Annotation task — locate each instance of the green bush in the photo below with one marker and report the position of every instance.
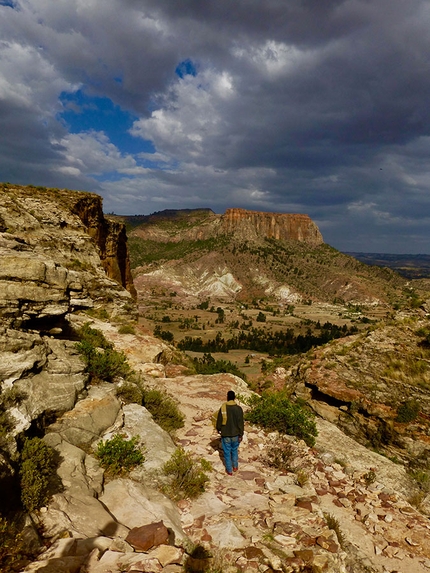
(275, 411)
(408, 411)
(94, 337)
(118, 455)
(37, 466)
(187, 476)
(163, 409)
(130, 393)
(102, 361)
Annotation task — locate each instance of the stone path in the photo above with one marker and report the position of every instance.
(260, 517)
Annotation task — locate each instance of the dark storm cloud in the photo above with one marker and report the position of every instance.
(297, 105)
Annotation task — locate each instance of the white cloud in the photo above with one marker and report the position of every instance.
(93, 153)
(190, 116)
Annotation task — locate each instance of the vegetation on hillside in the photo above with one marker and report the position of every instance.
(275, 411)
(103, 362)
(119, 455)
(272, 342)
(319, 272)
(144, 251)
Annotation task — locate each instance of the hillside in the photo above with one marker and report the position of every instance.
(199, 254)
(78, 371)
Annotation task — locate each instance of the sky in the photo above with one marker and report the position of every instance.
(292, 106)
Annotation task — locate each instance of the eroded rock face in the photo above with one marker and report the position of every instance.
(362, 382)
(285, 226)
(59, 254)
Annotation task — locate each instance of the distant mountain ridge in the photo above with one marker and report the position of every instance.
(409, 266)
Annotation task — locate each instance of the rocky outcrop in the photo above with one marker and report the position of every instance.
(365, 382)
(187, 225)
(59, 257)
(110, 237)
(281, 226)
(337, 507)
(59, 254)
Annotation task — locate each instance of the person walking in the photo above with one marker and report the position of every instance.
(230, 426)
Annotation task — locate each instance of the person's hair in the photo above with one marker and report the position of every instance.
(230, 395)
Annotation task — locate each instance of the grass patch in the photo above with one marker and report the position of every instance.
(163, 408)
(127, 329)
(333, 524)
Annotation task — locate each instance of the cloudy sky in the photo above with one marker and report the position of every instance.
(299, 106)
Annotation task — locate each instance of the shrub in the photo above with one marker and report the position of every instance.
(37, 467)
(119, 455)
(408, 411)
(187, 477)
(302, 477)
(163, 408)
(107, 365)
(94, 337)
(14, 552)
(130, 393)
(369, 477)
(102, 361)
(281, 456)
(275, 411)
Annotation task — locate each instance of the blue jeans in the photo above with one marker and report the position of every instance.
(230, 447)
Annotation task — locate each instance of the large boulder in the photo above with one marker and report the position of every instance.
(135, 504)
(90, 418)
(159, 446)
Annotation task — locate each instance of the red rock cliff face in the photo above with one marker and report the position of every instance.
(286, 226)
(111, 240)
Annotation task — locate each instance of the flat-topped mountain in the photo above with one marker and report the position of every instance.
(280, 226)
(243, 255)
(200, 224)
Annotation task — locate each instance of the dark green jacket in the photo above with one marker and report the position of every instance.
(234, 425)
